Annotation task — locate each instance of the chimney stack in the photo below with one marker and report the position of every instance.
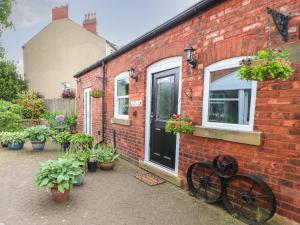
(90, 22)
(61, 12)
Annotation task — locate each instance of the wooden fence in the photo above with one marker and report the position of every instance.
(63, 105)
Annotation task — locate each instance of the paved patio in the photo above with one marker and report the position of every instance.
(106, 198)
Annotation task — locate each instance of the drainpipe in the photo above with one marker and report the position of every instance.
(103, 102)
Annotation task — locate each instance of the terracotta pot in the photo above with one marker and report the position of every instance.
(58, 196)
(106, 165)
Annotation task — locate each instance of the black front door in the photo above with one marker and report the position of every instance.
(164, 104)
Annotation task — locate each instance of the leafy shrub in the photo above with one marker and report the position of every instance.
(8, 106)
(30, 100)
(38, 133)
(81, 156)
(266, 65)
(10, 121)
(81, 141)
(62, 173)
(4, 137)
(107, 153)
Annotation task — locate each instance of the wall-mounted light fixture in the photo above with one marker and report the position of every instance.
(132, 74)
(189, 52)
(78, 80)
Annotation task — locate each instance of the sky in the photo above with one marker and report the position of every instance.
(119, 21)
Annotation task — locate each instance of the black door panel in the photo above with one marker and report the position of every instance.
(164, 104)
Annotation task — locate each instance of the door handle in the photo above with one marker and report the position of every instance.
(151, 117)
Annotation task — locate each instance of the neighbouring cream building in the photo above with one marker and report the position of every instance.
(61, 49)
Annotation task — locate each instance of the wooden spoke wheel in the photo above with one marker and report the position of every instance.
(203, 183)
(249, 199)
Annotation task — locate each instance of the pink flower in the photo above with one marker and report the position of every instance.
(178, 116)
(60, 118)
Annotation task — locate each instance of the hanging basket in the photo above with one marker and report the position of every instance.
(179, 123)
(268, 65)
(97, 93)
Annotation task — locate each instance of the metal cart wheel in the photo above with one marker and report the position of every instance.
(203, 183)
(249, 199)
(225, 166)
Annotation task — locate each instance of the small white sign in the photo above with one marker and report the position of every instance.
(136, 103)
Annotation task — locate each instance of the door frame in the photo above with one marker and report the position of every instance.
(87, 90)
(162, 65)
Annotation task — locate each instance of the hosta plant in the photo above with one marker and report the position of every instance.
(38, 133)
(60, 174)
(266, 65)
(4, 137)
(179, 124)
(107, 153)
(15, 137)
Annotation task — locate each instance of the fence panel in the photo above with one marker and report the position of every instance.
(64, 105)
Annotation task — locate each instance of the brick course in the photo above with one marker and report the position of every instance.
(233, 28)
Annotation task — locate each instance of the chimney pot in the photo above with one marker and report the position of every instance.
(90, 22)
(61, 12)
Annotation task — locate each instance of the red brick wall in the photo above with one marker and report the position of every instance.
(233, 28)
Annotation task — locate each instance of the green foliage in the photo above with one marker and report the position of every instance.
(266, 65)
(10, 82)
(8, 106)
(62, 137)
(5, 11)
(81, 141)
(10, 121)
(14, 137)
(97, 93)
(69, 119)
(179, 124)
(62, 173)
(38, 133)
(4, 137)
(32, 105)
(81, 156)
(107, 153)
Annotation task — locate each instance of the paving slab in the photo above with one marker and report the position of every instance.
(106, 198)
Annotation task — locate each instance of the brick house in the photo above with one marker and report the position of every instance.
(263, 134)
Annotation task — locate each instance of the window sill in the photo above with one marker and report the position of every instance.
(125, 122)
(243, 137)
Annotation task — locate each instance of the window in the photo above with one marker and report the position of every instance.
(121, 95)
(229, 102)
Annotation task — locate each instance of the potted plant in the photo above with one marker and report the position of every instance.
(82, 157)
(92, 160)
(63, 139)
(81, 141)
(15, 140)
(106, 157)
(72, 123)
(59, 177)
(3, 139)
(38, 135)
(179, 124)
(97, 93)
(267, 65)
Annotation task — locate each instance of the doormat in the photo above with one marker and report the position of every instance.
(150, 179)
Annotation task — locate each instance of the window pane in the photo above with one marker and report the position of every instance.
(223, 111)
(165, 98)
(123, 87)
(123, 106)
(229, 98)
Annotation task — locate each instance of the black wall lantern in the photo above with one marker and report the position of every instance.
(132, 74)
(189, 52)
(78, 80)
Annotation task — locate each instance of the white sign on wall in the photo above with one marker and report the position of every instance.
(136, 103)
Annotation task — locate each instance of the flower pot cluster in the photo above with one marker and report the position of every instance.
(267, 65)
(61, 175)
(179, 124)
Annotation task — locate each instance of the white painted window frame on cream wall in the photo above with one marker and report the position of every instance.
(226, 64)
(120, 76)
(162, 65)
(90, 105)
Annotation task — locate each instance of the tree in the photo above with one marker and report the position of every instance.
(5, 11)
(11, 84)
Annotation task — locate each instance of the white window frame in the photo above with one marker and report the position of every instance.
(226, 64)
(87, 101)
(121, 76)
